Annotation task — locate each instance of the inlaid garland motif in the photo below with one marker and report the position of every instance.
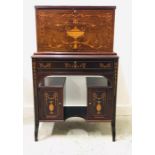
(64, 30)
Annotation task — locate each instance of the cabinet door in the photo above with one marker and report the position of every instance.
(51, 103)
(99, 104)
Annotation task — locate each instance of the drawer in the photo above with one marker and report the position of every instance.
(75, 65)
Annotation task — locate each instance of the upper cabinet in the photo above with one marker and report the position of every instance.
(75, 29)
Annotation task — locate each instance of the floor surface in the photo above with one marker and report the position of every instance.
(77, 137)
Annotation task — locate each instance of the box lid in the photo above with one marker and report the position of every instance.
(75, 28)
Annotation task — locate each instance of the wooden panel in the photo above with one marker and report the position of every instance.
(75, 65)
(51, 104)
(99, 98)
(50, 65)
(74, 29)
(99, 104)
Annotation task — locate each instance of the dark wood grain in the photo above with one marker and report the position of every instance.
(75, 7)
(51, 98)
(99, 99)
(75, 40)
(75, 29)
(46, 65)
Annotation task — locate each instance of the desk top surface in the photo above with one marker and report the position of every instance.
(83, 56)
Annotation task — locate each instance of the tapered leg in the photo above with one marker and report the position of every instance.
(113, 130)
(36, 131)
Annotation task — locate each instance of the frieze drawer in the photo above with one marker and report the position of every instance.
(75, 65)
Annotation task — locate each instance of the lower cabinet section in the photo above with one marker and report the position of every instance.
(51, 99)
(93, 100)
(51, 104)
(99, 104)
(99, 99)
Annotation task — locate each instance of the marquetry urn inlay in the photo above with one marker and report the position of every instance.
(75, 30)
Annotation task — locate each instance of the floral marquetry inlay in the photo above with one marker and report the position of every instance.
(51, 99)
(98, 107)
(99, 100)
(51, 107)
(44, 65)
(106, 65)
(75, 65)
(79, 30)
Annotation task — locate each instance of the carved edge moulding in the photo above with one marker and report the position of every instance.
(75, 29)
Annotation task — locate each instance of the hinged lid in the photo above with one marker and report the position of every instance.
(75, 29)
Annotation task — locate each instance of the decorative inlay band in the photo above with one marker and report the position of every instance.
(115, 75)
(75, 65)
(105, 65)
(45, 65)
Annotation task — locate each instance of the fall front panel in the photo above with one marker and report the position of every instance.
(75, 30)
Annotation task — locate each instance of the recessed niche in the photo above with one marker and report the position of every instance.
(75, 89)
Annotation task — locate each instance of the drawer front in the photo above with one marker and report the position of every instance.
(99, 104)
(51, 103)
(75, 65)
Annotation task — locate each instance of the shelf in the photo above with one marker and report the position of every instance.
(53, 82)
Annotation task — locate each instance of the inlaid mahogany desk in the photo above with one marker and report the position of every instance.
(74, 41)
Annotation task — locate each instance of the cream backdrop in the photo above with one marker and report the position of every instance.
(122, 45)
